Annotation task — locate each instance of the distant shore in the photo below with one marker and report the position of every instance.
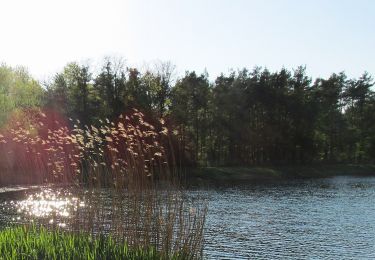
(249, 174)
(235, 175)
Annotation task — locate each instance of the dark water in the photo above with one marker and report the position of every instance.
(331, 218)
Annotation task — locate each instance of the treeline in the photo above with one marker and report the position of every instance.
(249, 117)
(259, 117)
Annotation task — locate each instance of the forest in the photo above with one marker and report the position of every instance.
(248, 117)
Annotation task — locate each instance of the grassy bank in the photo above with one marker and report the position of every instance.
(265, 173)
(39, 243)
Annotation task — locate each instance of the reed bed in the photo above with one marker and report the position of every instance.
(125, 170)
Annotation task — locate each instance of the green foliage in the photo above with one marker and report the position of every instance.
(190, 98)
(259, 117)
(77, 94)
(18, 90)
(71, 93)
(110, 86)
(39, 243)
(244, 118)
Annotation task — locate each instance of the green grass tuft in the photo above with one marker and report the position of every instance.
(25, 242)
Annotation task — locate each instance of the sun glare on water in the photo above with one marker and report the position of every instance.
(50, 204)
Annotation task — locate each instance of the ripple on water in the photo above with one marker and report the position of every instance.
(53, 205)
(303, 219)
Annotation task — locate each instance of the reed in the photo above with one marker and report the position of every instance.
(126, 170)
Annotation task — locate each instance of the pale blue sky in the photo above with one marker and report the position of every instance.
(326, 36)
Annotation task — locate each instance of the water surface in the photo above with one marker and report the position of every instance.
(332, 218)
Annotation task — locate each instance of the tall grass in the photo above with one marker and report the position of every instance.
(127, 168)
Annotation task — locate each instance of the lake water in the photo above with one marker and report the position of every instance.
(332, 218)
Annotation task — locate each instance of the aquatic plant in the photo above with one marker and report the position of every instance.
(126, 169)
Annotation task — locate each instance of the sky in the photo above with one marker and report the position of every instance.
(213, 35)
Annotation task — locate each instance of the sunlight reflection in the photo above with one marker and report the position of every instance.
(49, 204)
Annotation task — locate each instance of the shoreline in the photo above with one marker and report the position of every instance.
(248, 174)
